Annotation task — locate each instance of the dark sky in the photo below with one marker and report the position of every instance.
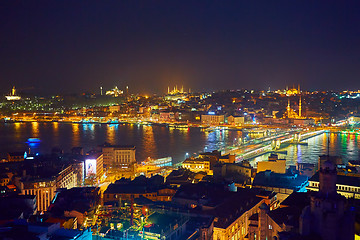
(75, 46)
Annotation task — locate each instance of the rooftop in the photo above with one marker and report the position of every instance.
(341, 180)
(214, 200)
(129, 147)
(278, 180)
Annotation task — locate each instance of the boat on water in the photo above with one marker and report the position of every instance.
(160, 162)
(33, 140)
(8, 120)
(209, 129)
(178, 125)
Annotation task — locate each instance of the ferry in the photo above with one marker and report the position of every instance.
(161, 162)
(33, 140)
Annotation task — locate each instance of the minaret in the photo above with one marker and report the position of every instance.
(182, 89)
(288, 109)
(101, 92)
(300, 107)
(168, 89)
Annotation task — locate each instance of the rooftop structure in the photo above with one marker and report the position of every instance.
(283, 184)
(348, 186)
(230, 209)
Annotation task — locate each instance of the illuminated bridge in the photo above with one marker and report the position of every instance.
(267, 144)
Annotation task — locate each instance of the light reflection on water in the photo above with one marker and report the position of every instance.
(159, 141)
(150, 141)
(346, 146)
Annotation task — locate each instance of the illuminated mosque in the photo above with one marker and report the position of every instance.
(291, 113)
(12, 96)
(176, 94)
(293, 91)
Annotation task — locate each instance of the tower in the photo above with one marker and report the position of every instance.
(101, 91)
(288, 108)
(300, 107)
(327, 216)
(327, 178)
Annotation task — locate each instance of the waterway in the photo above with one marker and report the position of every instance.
(158, 141)
(150, 141)
(336, 144)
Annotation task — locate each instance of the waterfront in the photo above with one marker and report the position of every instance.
(158, 141)
(150, 141)
(345, 145)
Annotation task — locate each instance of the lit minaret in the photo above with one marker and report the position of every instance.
(168, 89)
(101, 92)
(288, 108)
(300, 107)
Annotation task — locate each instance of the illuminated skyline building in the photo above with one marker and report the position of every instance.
(12, 96)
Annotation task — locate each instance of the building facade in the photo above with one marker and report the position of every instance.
(197, 165)
(235, 120)
(43, 189)
(210, 119)
(94, 165)
(118, 156)
(15, 156)
(277, 166)
(347, 186)
(67, 178)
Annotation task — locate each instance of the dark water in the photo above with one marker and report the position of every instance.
(157, 141)
(150, 141)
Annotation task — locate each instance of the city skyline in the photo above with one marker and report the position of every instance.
(58, 47)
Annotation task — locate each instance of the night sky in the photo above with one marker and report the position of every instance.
(76, 46)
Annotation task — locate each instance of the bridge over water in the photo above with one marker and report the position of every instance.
(271, 144)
